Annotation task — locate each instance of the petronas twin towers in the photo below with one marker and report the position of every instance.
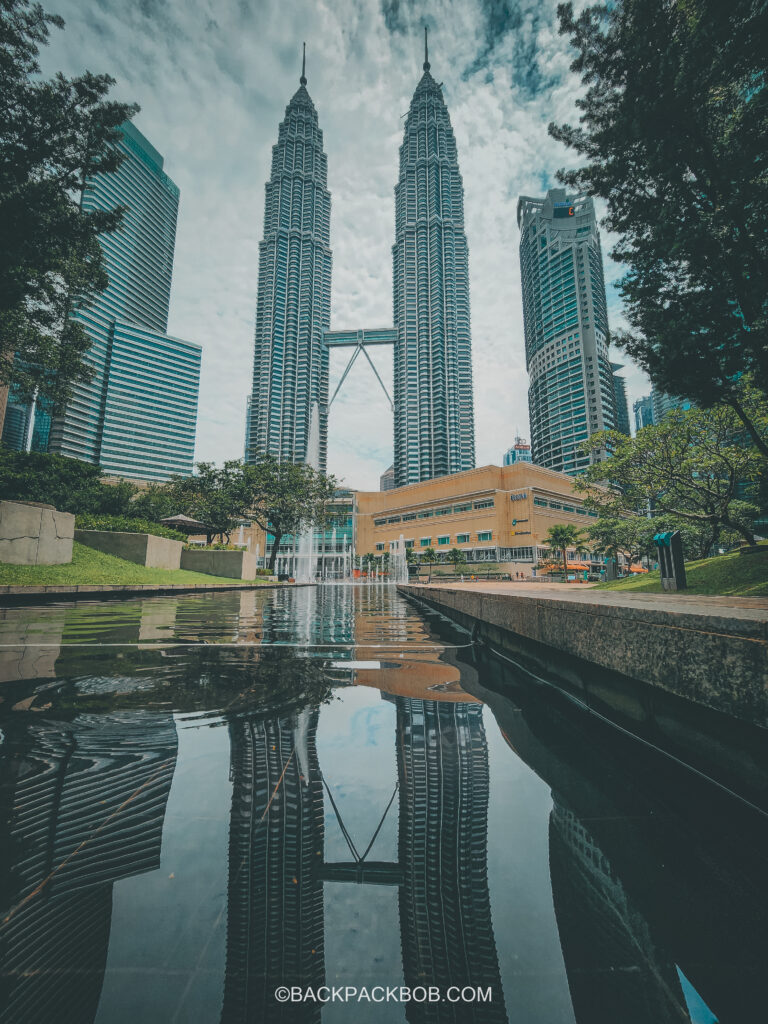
(433, 408)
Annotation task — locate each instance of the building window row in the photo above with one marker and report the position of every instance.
(428, 513)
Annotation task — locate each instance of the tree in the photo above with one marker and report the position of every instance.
(457, 556)
(562, 536)
(673, 126)
(54, 135)
(692, 467)
(429, 555)
(631, 536)
(286, 498)
(217, 496)
(68, 484)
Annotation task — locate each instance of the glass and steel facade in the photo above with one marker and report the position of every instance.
(290, 366)
(18, 414)
(519, 452)
(571, 393)
(434, 414)
(145, 429)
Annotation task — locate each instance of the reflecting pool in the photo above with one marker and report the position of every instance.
(207, 801)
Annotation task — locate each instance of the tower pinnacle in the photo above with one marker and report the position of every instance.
(303, 79)
(426, 51)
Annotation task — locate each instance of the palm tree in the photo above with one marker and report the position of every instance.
(457, 556)
(561, 537)
(429, 555)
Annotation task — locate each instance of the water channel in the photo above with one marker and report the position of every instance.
(205, 798)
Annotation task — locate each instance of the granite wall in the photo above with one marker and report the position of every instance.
(33, 534)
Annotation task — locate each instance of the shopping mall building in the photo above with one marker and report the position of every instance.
(498, 514)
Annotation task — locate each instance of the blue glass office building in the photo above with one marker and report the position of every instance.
(137, 416)
(434, 414)
(293, 305)
(571, 392)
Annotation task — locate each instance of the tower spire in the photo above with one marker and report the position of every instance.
(426, 50)
(303, 79)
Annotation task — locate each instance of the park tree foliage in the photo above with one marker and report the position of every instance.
(286, 498)
(673, 126)
(68, 484)
(696, 467)
(54, 134)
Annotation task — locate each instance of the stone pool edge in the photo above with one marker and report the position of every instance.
(677, 650)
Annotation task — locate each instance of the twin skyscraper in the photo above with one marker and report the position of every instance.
(434, 431)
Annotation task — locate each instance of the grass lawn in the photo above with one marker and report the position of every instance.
(737, 575)
(90, 566)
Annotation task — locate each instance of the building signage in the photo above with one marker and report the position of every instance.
(518, 497)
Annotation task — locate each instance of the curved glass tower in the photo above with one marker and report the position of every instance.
(571, 393)
(290, 365)
(434, 415)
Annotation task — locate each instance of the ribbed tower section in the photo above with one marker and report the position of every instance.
(290, 366)
(434, 414)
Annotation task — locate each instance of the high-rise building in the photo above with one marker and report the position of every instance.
(519, 452)
(290, 364)
(18, 415)
(663, 404)
(643, 410)
(387, 479)
(571, 393)
(620, 400)
(137, 415)
(434, 415)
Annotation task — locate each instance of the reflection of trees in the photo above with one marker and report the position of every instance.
(83, 806)
(199, 678)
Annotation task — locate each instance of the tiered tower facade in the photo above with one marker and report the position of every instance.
(290, 368)
(571, 393)
(434, 414)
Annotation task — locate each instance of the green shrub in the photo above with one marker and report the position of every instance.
(122, 524)
(68, 484)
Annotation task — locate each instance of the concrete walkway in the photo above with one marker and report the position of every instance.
(750, 608)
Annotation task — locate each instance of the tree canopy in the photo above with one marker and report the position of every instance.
(286, 498)
(694, 466)
(54, 135)
(68, 484)
(673, 123)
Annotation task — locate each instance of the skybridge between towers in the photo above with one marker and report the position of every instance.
(359, 340)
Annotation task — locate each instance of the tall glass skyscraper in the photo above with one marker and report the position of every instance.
(571, 392)
(434, 414)
(137, 416)
(293, 306)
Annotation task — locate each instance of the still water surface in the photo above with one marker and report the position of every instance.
(207, 797)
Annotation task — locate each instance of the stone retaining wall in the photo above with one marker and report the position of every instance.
(142, 548)
(32, 534)
(236, 565)
(712, 655)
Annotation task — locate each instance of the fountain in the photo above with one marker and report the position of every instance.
(398, 562)
(305, 547)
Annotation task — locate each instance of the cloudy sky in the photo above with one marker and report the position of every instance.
(213, 78)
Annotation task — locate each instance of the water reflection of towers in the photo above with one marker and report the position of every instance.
(445, 911)
(275, 895)
(84, 803)
(276, 860)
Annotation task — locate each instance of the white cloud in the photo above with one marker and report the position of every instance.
(213, 80)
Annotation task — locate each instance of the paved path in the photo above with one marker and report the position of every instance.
(755, 608)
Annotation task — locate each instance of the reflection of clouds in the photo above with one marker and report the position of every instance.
(227, 79)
